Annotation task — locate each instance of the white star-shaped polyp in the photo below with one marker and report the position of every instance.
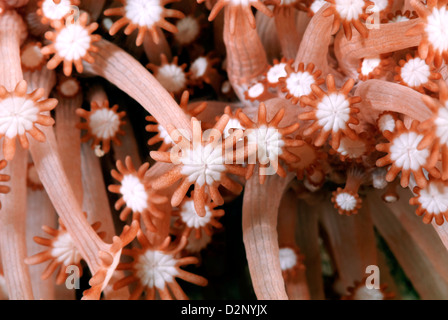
(275, 72)
(144, 13)
(434, 198)
(198, 67)
(188, 29)
(232, 125)
(365, 293)
(17, 116)
(104, 123)
(72, 42)
(134, 193)
(369, 64)
(350, 9)
(352, 148)
(441, 123)
(386, 122)
(404, 152)
(299, 83)
(256, 90)
(437, 28)
(333, 112)
(346, 201)
(203, 164)
(64, 250)
(415, 72)
(191, 218)
(155, 269)
(55, 11)
(171, 77)
(269, 143)
(288, 258)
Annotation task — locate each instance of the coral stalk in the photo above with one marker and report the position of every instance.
(13, 217)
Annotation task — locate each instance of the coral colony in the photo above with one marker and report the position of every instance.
(138, 135)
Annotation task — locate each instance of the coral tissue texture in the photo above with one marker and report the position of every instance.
(223, 149)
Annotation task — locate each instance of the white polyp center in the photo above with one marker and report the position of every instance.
(352, 148)
(309, 186)
(195, 245)
(164, 135)
(203, 164)
(189, 215)
(299, 83)
(346, 201)
(276, 72)
(72, 42)
(104, 123)
(441, 123)
(144, 13)
(434, 198)
(288, 258)
(198, 67)
(155, 269)
(404, 152)
(188, 29)
(171, 77)
(134, 193)
(390, 198)
(369, 64)
(380, 5)
(437, 29)
(233, 124)
(55, 11)
(317, 5)
(386, 122)
(269, 142)
(69, 87)
(333, 112)
(31, 56)
(17, 115)
(415, 72)
(399, 18)
(364, 293)
(256, 90)
(64, 250)
(350, 9)
(225, 88)
(379, 178)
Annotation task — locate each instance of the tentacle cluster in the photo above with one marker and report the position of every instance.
(144, 15)
(71, 43)
(333, 112)
(103, 124)
(20, 114)
(137, 195)
(154, 269)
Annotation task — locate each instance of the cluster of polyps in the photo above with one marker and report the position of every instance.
(331, 124)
